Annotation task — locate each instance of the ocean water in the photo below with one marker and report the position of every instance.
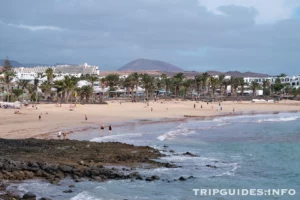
(249, 152)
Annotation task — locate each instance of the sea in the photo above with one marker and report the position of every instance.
(237, 157)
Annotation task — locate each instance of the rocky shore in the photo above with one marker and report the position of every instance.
(54, 160)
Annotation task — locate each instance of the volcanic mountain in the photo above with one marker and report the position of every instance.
(146, 64)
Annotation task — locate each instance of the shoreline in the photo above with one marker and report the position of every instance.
(164, 120)
(55, 119)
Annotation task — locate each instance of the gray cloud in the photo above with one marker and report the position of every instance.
(111, 33)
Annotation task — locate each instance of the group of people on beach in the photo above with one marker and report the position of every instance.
(102, 126)
(102, 129)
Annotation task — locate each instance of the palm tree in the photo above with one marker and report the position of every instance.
(49, 74)
(254, 86)
(188, 84)
(8, 76)
(59, 85)
(85, 92)
(234, 82)
(136, 81)
(221, 82)
(103, 83)
(242, 84)
(199, 83)
(17, 93)
(146, 80)
(69, 85)
(268, 84)
(267, 87)
(205, 77)
(36, 85)
(23, 84)
(46, 88)
(214, 84)
(112, 80)
(177, 81)
(31, 89)
(92, 79)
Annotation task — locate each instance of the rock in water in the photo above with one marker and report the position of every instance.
(152, 178)
(211, 166)
(29, 195)
(189, 154)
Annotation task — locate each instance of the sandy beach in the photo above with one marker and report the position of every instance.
(54, 119)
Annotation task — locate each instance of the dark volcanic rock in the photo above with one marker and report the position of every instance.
(65, 168)
(54, 160)
(29, 195)
(168, 165)
(152, 178)
(189, 154)
(211, 166)
(182, 179)
(68, 191)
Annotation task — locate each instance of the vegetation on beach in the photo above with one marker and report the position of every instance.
(177, 86)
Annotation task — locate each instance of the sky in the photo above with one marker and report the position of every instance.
(201, 35)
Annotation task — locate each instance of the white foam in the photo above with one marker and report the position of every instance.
(280, 119)
(118, 137)
(180, 131)
(230, 172)
(85, 196)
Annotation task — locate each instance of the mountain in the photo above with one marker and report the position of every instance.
(146, 64)
(12, 62)
(18, 64)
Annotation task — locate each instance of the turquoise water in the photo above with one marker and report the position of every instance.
(250, 152)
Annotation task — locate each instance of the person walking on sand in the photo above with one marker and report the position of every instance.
(109, 129)
(64, 135)
(40, 117)
(85, 118)
(102, 128)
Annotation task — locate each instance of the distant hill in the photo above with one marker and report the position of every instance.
(12, 62)
(237, 74)
(18, 64)
(146, 64)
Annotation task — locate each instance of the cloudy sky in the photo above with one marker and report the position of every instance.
(244, 35)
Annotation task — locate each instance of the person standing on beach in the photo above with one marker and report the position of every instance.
(102, 128)
(64, 135)
(109, 129)
(40, 117)
(86, 118)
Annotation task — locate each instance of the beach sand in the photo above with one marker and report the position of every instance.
(27, 124)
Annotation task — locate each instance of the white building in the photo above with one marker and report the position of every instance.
(30, 73)
(294, 81)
